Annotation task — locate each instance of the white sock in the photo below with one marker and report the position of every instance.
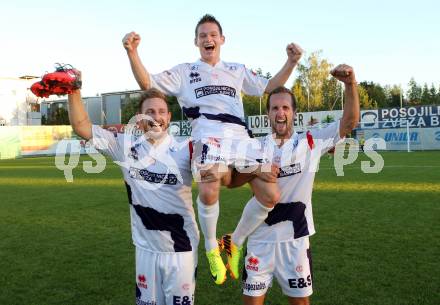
(254, 213)
(208, 215)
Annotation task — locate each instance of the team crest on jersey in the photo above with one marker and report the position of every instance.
(195, 77)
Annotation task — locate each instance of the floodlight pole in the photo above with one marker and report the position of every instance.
(260, 104)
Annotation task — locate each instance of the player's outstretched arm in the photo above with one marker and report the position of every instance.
(79, 119)
(350, 117)
(131, 42)
(294, 53)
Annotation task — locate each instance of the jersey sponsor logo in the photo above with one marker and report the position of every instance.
(252, 263)
(300, 282)
(144, 174)
(142, 281)
(209, 90)
(256, 286)
(194, 68)
(182, 300)
(289, 170)
(294, 212)
(232, 68)
(195, 77)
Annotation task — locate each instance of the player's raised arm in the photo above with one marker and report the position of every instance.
(131, 42)
(294, 53)
(78, 117)
(350, 117)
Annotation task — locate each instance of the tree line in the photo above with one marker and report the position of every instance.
(316, 90)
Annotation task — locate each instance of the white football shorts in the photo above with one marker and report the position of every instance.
(290, 262)
(165, 278)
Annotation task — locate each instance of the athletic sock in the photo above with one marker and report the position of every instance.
(254, 213)
(208, 215)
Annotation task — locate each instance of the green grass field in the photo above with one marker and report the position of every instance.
(377, 238)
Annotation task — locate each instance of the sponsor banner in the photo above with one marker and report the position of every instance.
(10, 147)
(307, 120)
(18, 141)
(417, 116)
(260, 124)
(397, 138)
(180, 128)
(369, 118)
(42, 140)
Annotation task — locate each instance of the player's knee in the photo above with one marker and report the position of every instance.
(270, 198)
(209, 192)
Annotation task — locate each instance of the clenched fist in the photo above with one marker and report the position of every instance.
(131, 41)
(344, 73)
(294, 52)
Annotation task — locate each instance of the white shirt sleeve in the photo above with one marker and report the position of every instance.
(327, 137)
(253, 84)
(107, 143)
(168, 81)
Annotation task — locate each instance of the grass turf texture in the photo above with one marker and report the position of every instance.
(377, 238)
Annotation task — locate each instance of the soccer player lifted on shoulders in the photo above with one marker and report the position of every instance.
(209, 92)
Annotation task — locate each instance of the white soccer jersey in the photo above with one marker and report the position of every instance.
(211, 95)
(298, 159)
(158, 181)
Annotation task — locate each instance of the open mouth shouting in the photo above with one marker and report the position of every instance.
(281, 122)
(209, 47)
(155, 125)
